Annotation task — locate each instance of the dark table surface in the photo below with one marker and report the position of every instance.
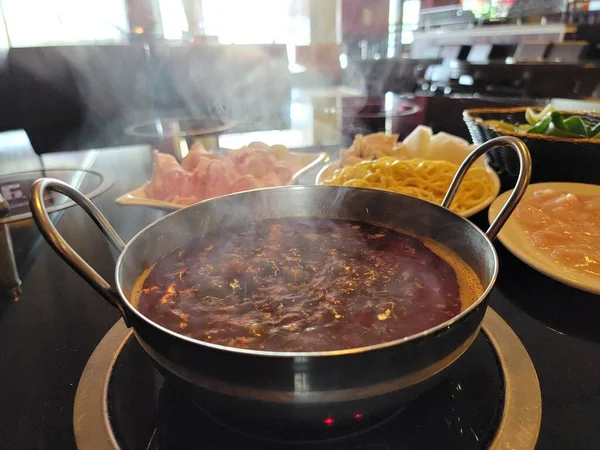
(47, 337)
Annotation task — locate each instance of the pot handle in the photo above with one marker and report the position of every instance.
(519, 190)
(57, 242)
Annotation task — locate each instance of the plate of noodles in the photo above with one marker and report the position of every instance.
(422, 166)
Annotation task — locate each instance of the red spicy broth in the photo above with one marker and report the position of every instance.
(305, 284)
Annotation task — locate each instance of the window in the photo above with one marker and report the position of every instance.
(255, 22)
(410, 20)
(173, 19)
(35, 23)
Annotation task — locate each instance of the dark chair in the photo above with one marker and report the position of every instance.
(48, 102)
(8, 112)
(82, 97)
(77, 97)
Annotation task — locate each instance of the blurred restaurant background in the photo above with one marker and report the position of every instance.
(81, 74)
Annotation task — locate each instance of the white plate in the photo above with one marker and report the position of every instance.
(513, 237)
(329, 169)
(300, 163)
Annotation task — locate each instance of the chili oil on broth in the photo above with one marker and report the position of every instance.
(306, 284)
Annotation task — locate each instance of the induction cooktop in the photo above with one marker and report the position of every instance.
(490, 398)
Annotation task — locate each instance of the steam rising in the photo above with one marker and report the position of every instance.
(88, 95)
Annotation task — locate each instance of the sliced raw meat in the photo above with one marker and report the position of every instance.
(205, 175)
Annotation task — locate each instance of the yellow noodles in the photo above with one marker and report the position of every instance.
(425, 179)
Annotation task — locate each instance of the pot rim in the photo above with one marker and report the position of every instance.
(411, 109)
(383, 345)
(225, 125)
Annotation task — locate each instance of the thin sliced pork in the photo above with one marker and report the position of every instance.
(203, 174)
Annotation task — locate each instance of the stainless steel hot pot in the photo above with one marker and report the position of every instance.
(300, 388)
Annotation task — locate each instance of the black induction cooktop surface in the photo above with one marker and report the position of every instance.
(462, 412)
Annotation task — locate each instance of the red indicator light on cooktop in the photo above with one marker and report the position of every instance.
(358, 416)
(329, 421)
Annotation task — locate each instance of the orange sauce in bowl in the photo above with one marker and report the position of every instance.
(565, 227)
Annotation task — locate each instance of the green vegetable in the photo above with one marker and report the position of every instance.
(554, 130)
(576, 126)
(505, 126)
(550, 123)
(595, 131)
(541, 126)
(533, 118)
(558, 121)
(559, 127)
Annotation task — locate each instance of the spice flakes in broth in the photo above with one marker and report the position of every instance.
(305, 284)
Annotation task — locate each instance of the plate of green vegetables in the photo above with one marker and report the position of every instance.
(550, 122)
